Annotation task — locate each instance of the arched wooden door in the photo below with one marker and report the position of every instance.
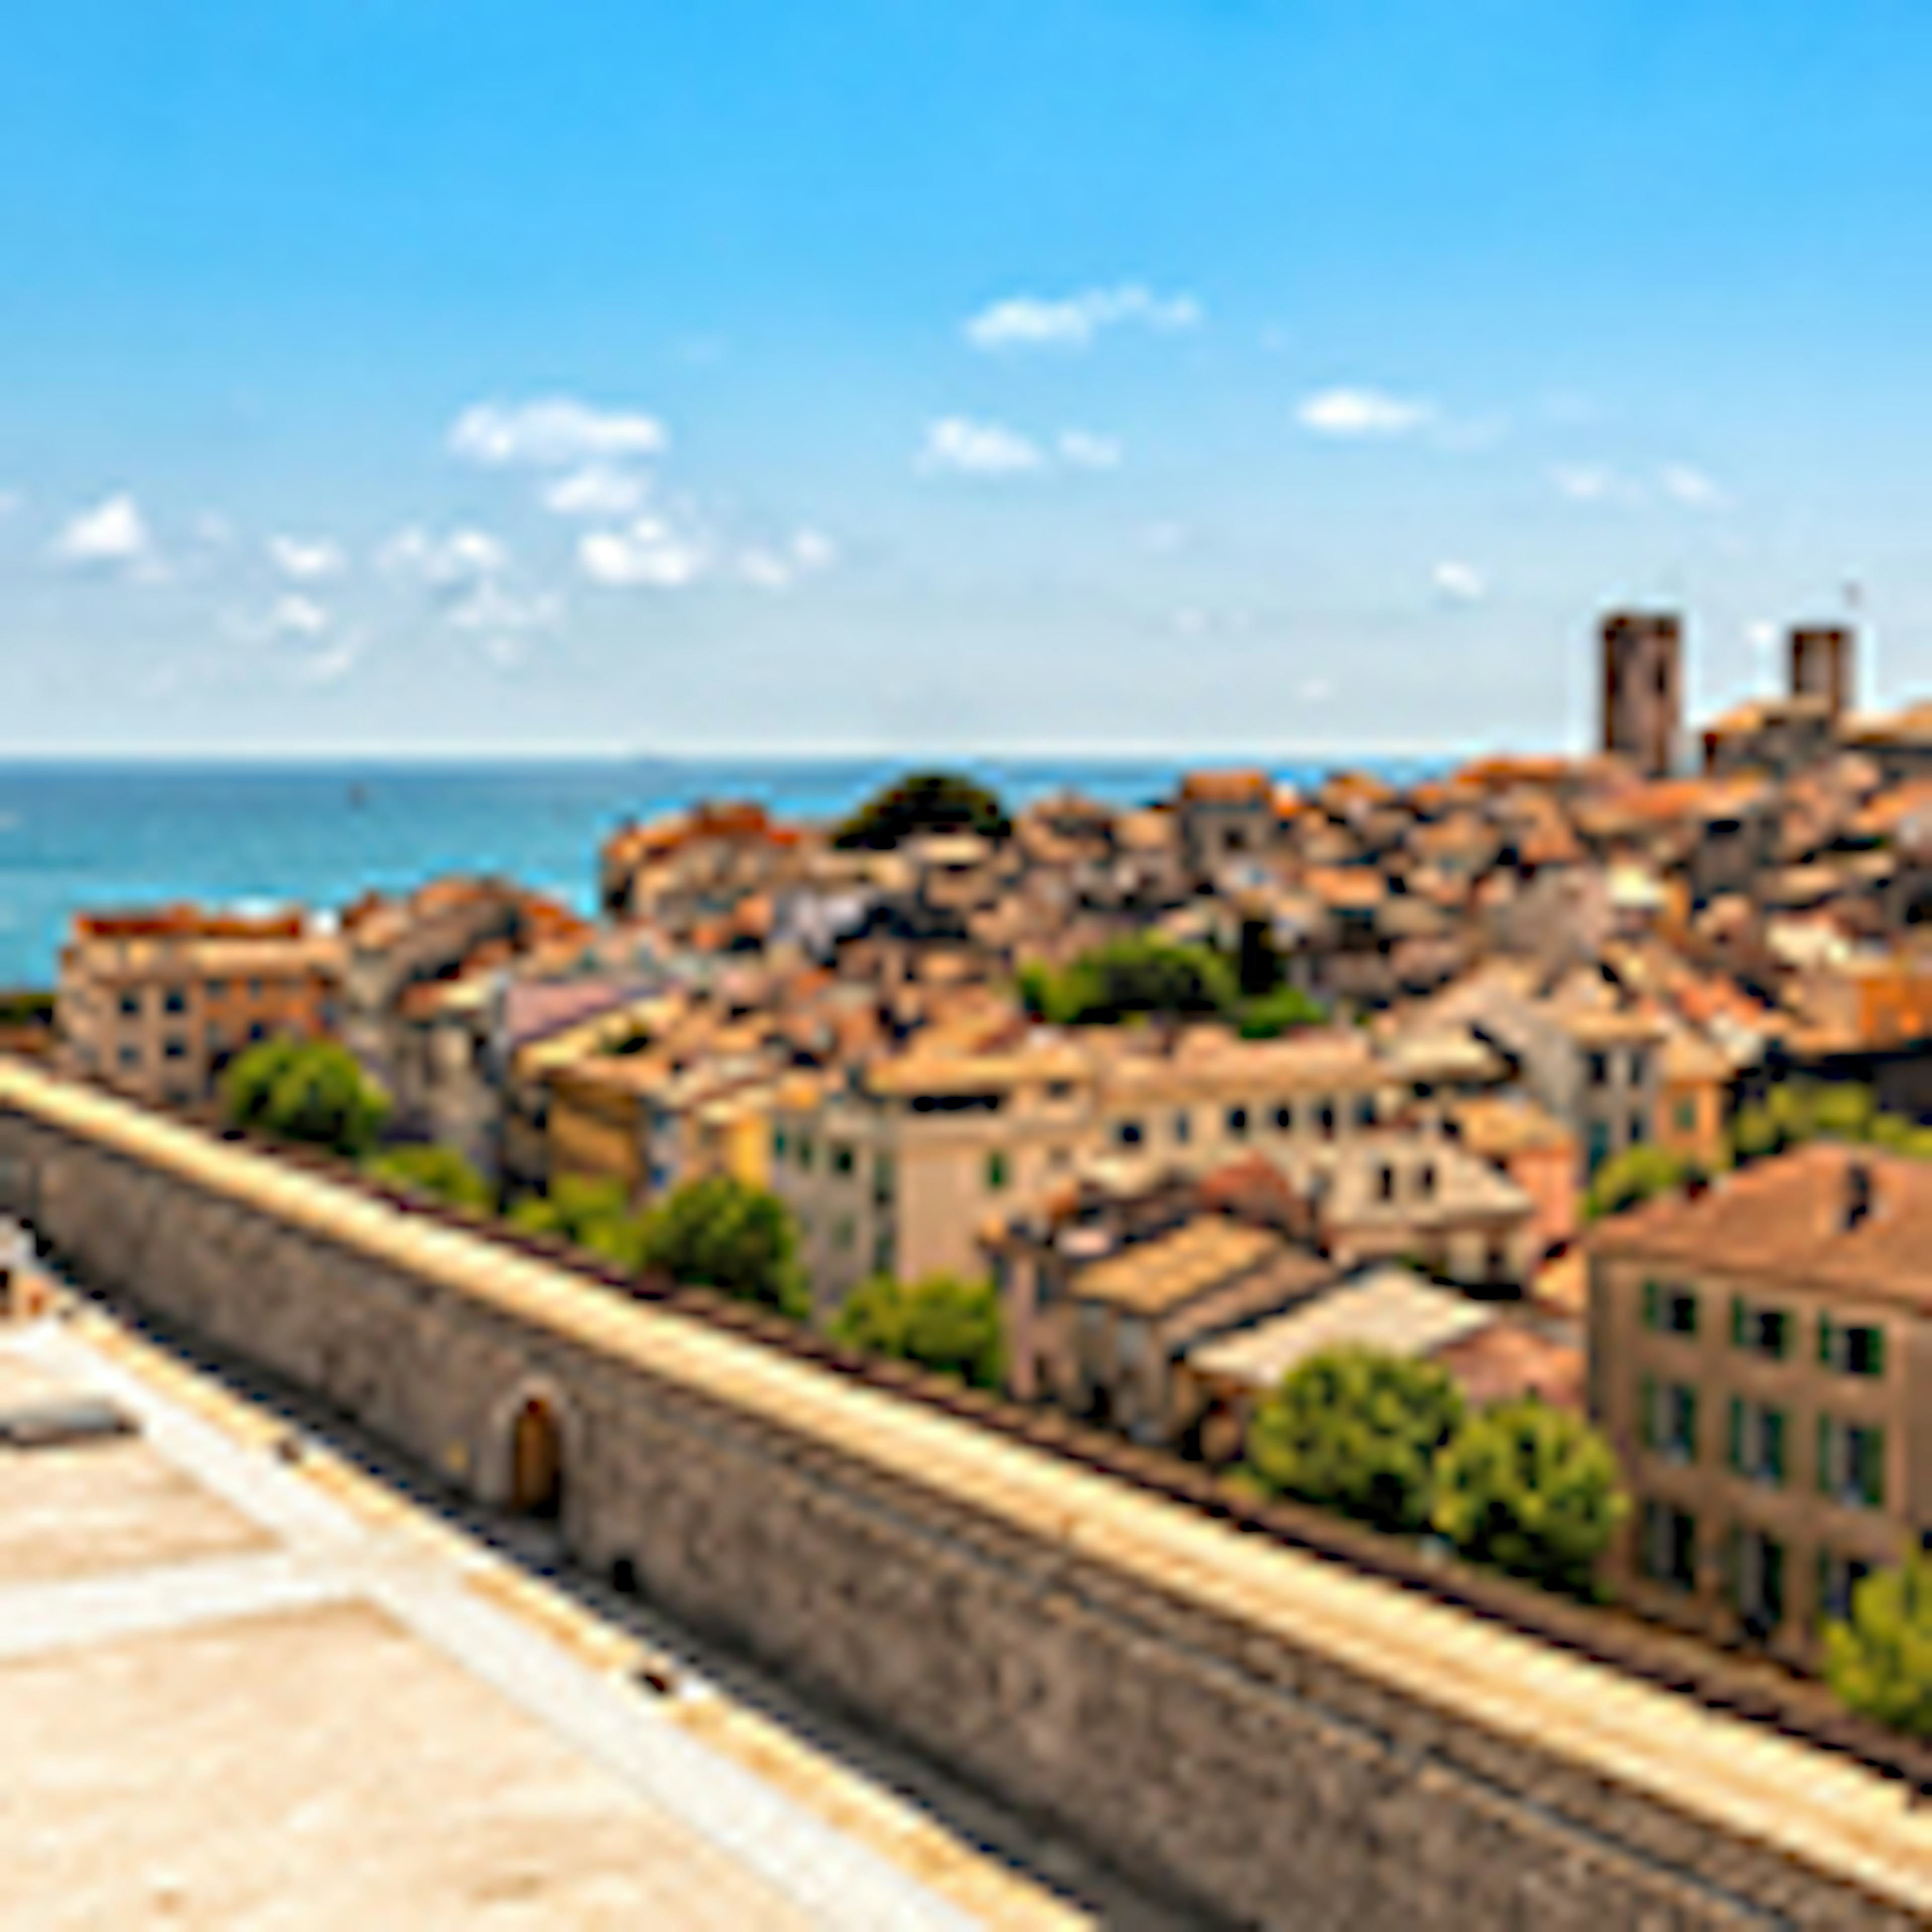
(536, 1461)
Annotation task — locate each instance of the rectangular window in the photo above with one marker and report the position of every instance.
(805, 1153)
(1685, 1115)
(1852, 1348)
(131, 1005)
(1599, 1150)
(1851, 1462)
(217, 989)
(1757, 1442)
(1127, 1133)
(1757, 1581)
(1838, 1579)
(1183, 1127)
(841, 1160)
(1237, 1122)
(778, 1143)
(1668, 1310)
(174, 1000)
(1669, 1545)
(1365, 1110)
(1284, 1118)
(1760, 1330)
(1385, 1182)
(996, 1172)
(130, 1056)
(175, 1047)
(882, 1178)
(1669, 1419)
(1639, 1066)
(1597, 1070)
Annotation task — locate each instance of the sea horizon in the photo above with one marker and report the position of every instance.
(81, 832)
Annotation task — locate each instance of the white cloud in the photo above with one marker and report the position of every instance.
(1459, 582)
(597, 490)
(553, 432)
(1071, 322)
(811, 550)
(1684, 484)
(489, 606)
(1083, 450)
(296, 615)
(447, 562)
(306, 560)
(647, 553)
(1761, 635)
(329, 666)
(962, 447)
(113, 534)
(1583, 482)
(1361, 412)
(1317, 690)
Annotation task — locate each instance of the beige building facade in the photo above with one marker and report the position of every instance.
(1761, 1359)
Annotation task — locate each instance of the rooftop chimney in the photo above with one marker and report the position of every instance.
(1855, 1206)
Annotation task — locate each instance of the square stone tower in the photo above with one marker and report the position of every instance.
(1643, 688)
(1824, 664)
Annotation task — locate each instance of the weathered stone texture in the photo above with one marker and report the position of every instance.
(1261, 1783)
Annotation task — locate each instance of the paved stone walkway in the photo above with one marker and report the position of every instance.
(449, 1594)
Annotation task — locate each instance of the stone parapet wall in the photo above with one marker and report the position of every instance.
(1255, 1733)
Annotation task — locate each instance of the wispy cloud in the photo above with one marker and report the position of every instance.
(1585, 482)
(296, 615)
(597, 490)
(113, 535)
(1459, 582)
(1354, 413)
(332, 665)
(553, 432)
(1683, 484)
(965, 446)
(306, 560)
(960, 446)
(647, 553)
(1083, 450)
(778, 568)
(450, 561)
(1073, 321)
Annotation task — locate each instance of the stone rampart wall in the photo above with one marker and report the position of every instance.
(1229, 1764)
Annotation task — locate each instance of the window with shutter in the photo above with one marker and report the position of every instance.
(1871, 1466)
(1653, 1298)
(1647, 1396)
(1772, 1464)
(1736, 1452)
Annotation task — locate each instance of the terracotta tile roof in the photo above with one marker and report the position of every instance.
(1226, 788)
(1507, 1360)
(1783, 1220)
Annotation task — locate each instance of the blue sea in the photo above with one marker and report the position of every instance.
(101, 834)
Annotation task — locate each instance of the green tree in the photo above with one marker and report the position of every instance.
(722, 1233)
(1531, 1490)
(941, 1322)
(1282, 1011)
(314, 1091)
(1791, 1105)
(1639, 1173)
(1145, 975)
(1754, 1133)
(440, 1172)
(1357, 1429)
(591, 1214)
(1842, 1111)
(1879, 1661)
(923, 802)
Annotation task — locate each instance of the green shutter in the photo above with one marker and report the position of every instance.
(1877, 1357)
(1689, 1295)
(1652, 1314)
(1871, 1466)
(1737, 1450)
(1773, 1594)
(1737, 1321)
(1647, 1418)
(1774, 1443)
(1824, 1455)
(1691, 1424)
(1824, 1341)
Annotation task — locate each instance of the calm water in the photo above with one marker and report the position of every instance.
(75, 835)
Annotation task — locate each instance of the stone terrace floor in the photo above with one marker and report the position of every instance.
(241, 1688)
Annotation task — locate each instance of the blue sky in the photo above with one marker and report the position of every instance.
(1140, 375)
